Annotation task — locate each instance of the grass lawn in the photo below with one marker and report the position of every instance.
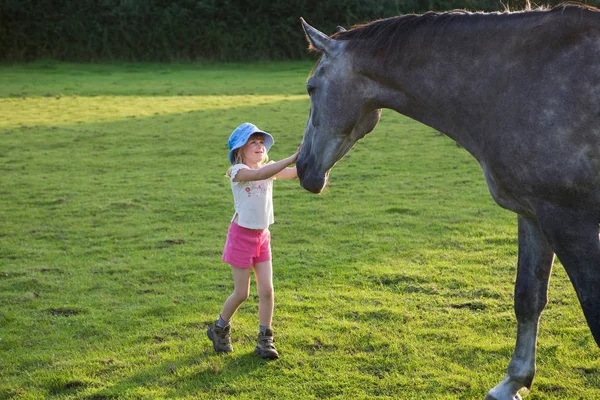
(395, 283)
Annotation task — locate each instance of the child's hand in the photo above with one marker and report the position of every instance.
(295, 156)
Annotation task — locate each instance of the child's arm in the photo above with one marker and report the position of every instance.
(267, 171)
(287, 173)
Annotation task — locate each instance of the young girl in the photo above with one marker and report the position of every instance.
(248, 240)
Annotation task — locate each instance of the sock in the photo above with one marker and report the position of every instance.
(221, 323)
(262, 329)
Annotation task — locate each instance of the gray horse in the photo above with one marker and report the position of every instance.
(519, 91)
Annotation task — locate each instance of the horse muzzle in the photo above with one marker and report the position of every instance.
(310, 179)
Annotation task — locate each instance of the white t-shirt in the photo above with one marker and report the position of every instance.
(253, 201)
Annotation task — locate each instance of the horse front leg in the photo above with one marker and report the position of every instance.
(531, 295)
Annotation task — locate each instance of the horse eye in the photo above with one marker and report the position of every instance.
(310, 89)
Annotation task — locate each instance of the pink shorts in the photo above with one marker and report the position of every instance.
(245, 247)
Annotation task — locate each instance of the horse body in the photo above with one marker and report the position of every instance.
(521, 93)
(522, 99)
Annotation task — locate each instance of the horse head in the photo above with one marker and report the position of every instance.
(342, 111)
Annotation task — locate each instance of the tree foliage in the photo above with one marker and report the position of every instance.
(190, 30)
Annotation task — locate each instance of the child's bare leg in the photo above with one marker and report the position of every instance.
(263, 272)
(241, 291)
(220, 332)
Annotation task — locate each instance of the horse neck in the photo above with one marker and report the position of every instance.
(431, 100)
(452, 81)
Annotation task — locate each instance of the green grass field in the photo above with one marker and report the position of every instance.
(395, 283)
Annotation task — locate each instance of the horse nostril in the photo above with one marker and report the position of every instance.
(301, 166)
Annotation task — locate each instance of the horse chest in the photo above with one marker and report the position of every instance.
(504, 194)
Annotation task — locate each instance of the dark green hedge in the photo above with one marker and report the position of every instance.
(188, 30)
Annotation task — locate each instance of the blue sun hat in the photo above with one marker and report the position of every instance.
(240, 136)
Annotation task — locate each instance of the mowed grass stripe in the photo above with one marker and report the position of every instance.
(55, 110)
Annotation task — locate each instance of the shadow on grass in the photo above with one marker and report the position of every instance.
(51, 79)
(183, 378)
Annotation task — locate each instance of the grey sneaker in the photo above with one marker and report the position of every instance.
(221, 338)
(265, 347)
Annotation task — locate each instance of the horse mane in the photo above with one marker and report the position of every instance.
(391, 32)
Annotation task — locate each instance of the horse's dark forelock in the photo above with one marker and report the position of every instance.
(391, 33)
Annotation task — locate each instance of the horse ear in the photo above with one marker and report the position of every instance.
(340, 28)
(317, 39)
